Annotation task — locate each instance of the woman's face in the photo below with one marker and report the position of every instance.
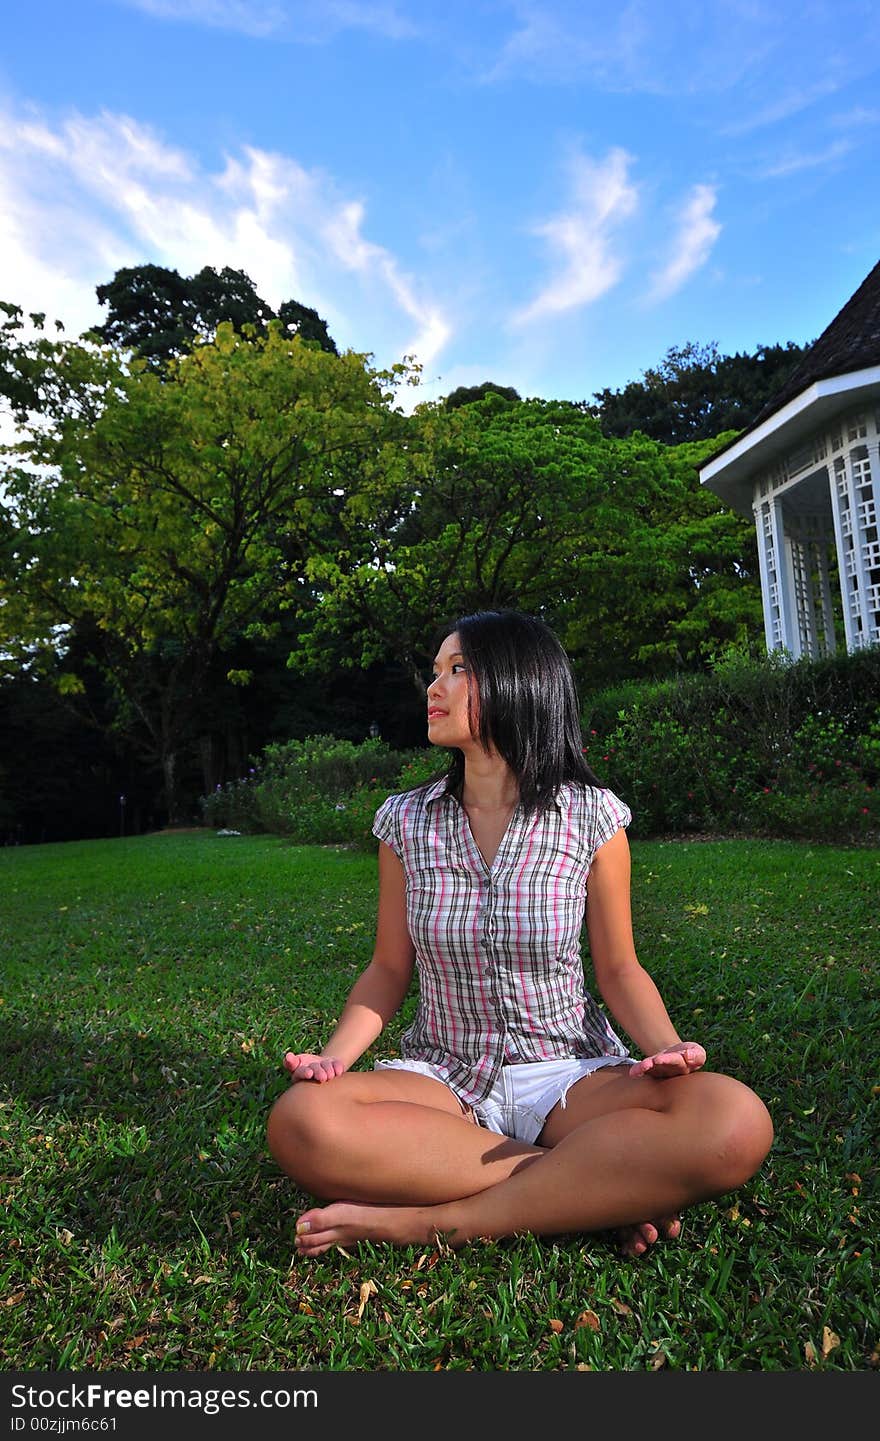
(448, 723)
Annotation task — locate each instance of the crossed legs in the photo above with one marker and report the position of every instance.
(396, 1146)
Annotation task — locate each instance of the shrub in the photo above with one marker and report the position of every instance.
(767, 746)
(322, 789)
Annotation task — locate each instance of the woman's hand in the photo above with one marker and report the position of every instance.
(674, 1060)
(305, 1067)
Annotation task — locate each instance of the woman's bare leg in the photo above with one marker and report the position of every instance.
(619, 1156)
(392, 1136)
(327, 1141)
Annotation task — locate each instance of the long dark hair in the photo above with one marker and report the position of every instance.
(527, 702)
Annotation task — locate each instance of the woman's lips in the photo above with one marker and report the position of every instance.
(433, 712)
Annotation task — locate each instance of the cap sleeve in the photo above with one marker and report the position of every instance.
(612, 815)
(386, 824)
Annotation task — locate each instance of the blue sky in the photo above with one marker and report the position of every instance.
(547, 195)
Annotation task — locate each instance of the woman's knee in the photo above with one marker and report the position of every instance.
(738, 1134)
(300, 1128)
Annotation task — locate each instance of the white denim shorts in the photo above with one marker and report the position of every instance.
(523, 1095)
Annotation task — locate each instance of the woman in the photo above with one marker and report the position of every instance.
(515, 1107)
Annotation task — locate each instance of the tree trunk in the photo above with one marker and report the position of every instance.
(169, 788)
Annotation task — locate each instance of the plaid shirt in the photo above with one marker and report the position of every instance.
(501, 978)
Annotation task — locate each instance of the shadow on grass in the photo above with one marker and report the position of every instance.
(156, 1143)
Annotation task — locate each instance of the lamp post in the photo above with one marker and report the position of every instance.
(122, 815)
(374, 730)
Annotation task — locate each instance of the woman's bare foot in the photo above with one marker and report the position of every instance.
(346, 1221)
(635, 1240)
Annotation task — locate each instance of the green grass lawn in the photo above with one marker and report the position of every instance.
(150, 986)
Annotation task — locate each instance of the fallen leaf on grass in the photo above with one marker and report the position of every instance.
(368, 1289)
(658, 1360)
(830, 1341)
(587, 1318)
(621, 1307)
(555, 1326)
(426, 1260)
(14, 1299)
(810, 1353)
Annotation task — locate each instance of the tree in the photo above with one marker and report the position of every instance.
(160, 314)
(161, 518)
(22, 371)
(695, 393)
(685, 579)
(526, 505)
(468, 394)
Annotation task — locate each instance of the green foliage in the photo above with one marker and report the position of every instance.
(321, 789)
(160, 314)
(467, 394)
(160, 518)
(695, 393)
(759, 745)
(497, 503)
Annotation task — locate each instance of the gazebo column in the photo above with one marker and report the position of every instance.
(822, 545)
(868, 515)
(800, 549)
(850, 508)
(768, 570)
(788, 622)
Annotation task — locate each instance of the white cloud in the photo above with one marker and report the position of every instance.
(248, 17)
(82, 198)
(582, 236)
(794, 161)
(696, 234)
(782, 107)
(854, 119)
(307, 21)
(633, 47)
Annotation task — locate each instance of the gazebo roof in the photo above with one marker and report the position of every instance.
(848, 347)
(850, 342)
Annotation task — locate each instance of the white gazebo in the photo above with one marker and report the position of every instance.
(808, 470)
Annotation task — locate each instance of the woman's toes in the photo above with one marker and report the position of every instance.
(635, 1240)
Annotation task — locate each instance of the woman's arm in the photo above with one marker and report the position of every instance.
(623, 983)
(378, 992)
